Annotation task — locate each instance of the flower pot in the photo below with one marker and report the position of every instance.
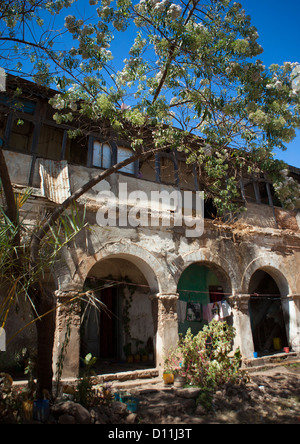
(28, 410)
(168, 378)
(129, 358)
(137, 357)
(179, 381)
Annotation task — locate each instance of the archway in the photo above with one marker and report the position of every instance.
(266, 313)
(202, 287)
(124, 325)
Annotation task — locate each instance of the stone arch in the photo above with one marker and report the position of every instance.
(269, 316)
(156, 273)
(201, 280)
(220, 265)
(270, 265)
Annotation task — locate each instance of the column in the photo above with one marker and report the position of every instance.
(291, 313)
(242, 324)
(66, 349)
(164, 311)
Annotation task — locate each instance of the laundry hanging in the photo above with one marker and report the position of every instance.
(181, 310)
(217, 311)
(194, 311)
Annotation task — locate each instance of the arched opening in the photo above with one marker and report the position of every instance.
(202, 289)
(118, 328)
(266, 313)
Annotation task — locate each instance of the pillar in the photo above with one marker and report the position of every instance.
(164, 311)
(291, 313)
(242, 324)
(67, 334)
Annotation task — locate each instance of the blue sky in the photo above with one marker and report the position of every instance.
(277, 23)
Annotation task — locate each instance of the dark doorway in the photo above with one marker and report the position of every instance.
(266, 314)
(100, 327)
(107, 331)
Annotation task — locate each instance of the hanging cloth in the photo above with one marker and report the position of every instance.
(194, 311)
(225, 309)
(181, 310)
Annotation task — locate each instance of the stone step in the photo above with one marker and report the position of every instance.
(270, 361)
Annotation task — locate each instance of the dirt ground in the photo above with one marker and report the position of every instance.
(269, 397)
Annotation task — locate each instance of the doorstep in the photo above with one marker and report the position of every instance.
(252, 364)
(133, 375)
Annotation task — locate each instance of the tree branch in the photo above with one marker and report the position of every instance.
(39, 235)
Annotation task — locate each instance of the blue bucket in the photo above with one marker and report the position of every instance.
(132, 404)
(41, 410)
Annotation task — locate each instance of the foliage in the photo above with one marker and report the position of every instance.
(191, 80)
(16, 271)
(10, 400)
(204, 359)
(85, 394)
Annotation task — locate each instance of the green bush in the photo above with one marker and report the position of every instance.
(205, 359)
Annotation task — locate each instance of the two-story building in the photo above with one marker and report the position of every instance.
(154, 280)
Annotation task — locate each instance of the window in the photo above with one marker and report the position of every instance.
(23, 105)
(101, 155)
(21, 136)
(250, 192)
(264, 197)
(77, 150)
(50, 142)
(186, 176)
(147, 169)
(125, 153)
(167, 170)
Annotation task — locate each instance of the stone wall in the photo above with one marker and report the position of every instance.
(155, 257)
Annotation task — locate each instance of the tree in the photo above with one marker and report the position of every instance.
(192, 81)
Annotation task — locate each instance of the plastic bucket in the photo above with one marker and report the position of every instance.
(276, 343)
(132, 404)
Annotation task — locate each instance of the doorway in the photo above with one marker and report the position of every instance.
(266, 314)
(101, 324)
(200, 285)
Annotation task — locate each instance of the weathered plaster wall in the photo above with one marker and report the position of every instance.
(161, 254)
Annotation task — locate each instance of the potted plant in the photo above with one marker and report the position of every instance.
(137, 356)
(127, 352)
(29, 392)
(144, 355)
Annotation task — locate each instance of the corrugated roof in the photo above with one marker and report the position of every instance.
(55, 184)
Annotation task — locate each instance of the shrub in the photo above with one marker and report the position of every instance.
(205, 359)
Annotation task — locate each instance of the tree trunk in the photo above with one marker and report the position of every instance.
(45, 307)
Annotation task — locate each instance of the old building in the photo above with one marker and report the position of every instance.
(155, 280)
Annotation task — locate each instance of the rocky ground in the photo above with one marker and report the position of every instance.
(269, 397)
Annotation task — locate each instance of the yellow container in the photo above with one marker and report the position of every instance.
(28, 410)
(168, 378)
(277, 343)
